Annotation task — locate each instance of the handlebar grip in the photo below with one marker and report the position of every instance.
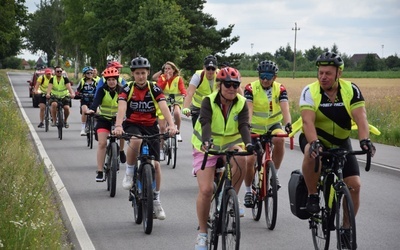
(291, 139)
(316, 167)
(368, 164)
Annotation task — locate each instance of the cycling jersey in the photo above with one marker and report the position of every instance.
(266, 105)
(86, 88)
(141, 108)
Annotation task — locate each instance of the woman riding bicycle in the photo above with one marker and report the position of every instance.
(140, 101)
(86, 90)
(107, 100)
(223, 117)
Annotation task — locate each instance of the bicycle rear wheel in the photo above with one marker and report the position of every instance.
(47, 118)
(147, 198)
(113, 169)
(319, 227)
(257, 200)
(347, 238)
(271, 199)
(230, 221)
(60, 122)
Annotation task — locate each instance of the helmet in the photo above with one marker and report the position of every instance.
(114, 64)
(210, 61)
(228, 74)
(329, 58)
(85, 69)
(267, 66)
(111, 72)
(140, 63)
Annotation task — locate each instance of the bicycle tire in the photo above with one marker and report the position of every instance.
(172, 151)
(168, 151)
(60, 122)
(318, 224)
(46, 118)
(230, 221)
(257, 200)
(91, 132)
(271, 198)
(214, 219)
(345, 203)
(107, 165)
(87, 126)
(113, 168)
(147, 198)
(136, 202)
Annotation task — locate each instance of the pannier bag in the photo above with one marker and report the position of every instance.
(298, 195)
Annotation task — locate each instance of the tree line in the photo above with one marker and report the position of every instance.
(87, 32)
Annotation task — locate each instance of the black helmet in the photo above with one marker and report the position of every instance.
(329, 58)
(267, 66)
(140, 63)
(210, 61)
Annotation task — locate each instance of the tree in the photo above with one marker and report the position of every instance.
(370, 63)
(287, 53)
(313, 53)
(13, 18)
(393, 62)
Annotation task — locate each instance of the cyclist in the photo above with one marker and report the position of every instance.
(59, 88)
(328, 107)
(107, 101)
(140, 101)
(223, 117)
(42, 82)
(96, 76)
(268, 104)
(171, 83)
(201, 84)
(87, 86)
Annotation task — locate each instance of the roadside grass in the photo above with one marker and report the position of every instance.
(382, 97)
(29, 213)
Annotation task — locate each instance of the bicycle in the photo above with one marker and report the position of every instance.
(89, 127)
(60, 117)
(111, 163)
(171, 145)
(141, 193)
(264, 186)
(335, 202)
(224, 219)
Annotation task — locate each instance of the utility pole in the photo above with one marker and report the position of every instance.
(294, 56)
(252, 44)
(382, 49)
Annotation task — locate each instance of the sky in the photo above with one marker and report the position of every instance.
(355, 26)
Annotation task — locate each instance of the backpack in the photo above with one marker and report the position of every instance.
(298, 195)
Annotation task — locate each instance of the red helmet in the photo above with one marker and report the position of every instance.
(114, 64)
(111, 72)
(228, 74)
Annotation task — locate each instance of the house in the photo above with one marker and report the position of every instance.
(25, 64)
(358, 58)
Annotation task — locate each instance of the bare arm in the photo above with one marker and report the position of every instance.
(285, 112)
(360, 117)
(189, 95)
(310, 132)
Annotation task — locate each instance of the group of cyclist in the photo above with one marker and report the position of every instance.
(225, 114)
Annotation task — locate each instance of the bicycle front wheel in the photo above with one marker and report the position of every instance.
(230, 221)
(113, 168)
(271, 200)
(147, 198)
(134, 197)
(345, 233)
(319, 224)
(60, 124)
(47, 118)
(172, 149)
(91, 132)
(213, 221)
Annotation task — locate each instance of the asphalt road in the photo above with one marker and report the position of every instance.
(97, 221)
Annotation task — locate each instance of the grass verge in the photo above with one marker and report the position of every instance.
(29, 214)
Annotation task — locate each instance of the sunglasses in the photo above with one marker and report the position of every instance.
(235, 85)
(267, 76)
(59, 71)
(210, 69)
(89, 73)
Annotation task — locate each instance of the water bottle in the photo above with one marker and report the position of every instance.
(145, 149)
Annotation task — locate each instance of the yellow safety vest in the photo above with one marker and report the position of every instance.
(59, 90)
(203, 89)
(225, 132)
(109, 105)
(43, 83)
(263, 117)
(173, 88)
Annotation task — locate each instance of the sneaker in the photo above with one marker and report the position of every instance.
(241, 210)
(162, 155)
(179, 138)
(87, 130)
(127, 182)
(158, 210)
(313, 203)
(122, 156)
(99, 177)
(83, 132)
(41, 125)
(201, 242)
(345, 239)
(66, 125)
(53, 124)
(248, 200)
(278, 185)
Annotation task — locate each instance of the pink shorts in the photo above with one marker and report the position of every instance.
(198, 157)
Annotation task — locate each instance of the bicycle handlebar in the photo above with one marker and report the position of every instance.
(341, 153)
(269, 135)
(128, 136)
(234, 152)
